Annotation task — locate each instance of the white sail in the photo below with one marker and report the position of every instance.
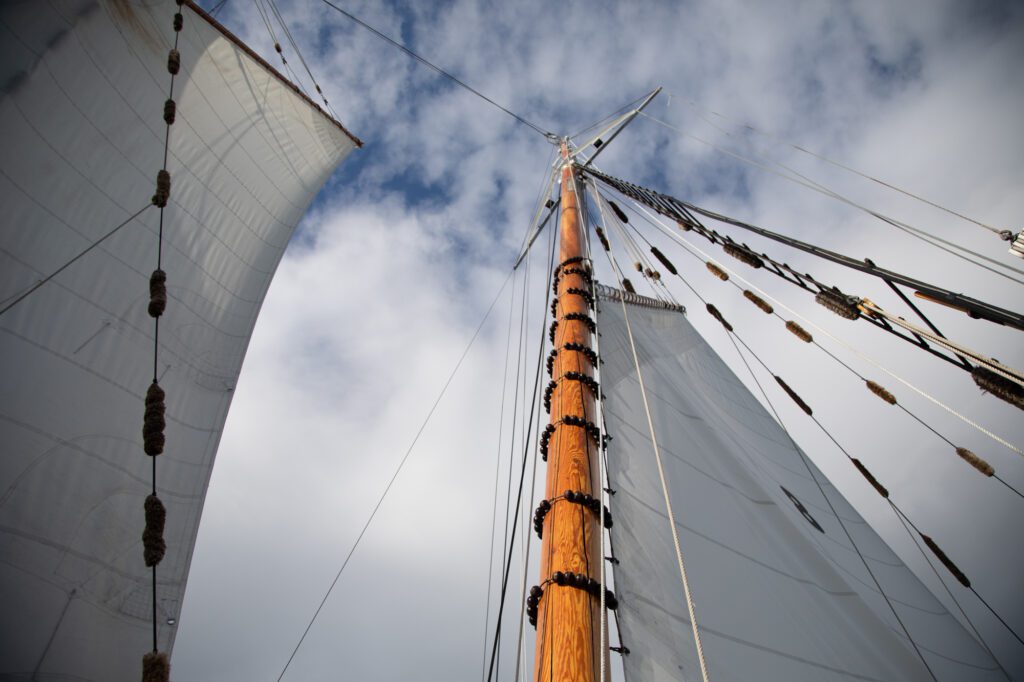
(83, 90)
(780, 592)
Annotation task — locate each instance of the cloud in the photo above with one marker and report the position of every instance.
(396, 265)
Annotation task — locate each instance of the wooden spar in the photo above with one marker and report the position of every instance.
(568, 619)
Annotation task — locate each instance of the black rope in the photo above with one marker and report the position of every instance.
(75, 258)
(394, 476)
(522, 475)
(821, 489)
(547, 134)
(497, 472)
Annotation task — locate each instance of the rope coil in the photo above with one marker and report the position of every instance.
(880, 391)
(870, 478)
(758, 301)
(842, 305)
(743, 254)
(792, 394)
(156, 667)
(975, 461)
(999, 386)
(154, 421)
(946, 561)
(170, 111)
(153, 545)
(664, 261)
(173, 62)
(157, 293)
(717, 271)
(799, 331)
(718, 316)
(163, 189)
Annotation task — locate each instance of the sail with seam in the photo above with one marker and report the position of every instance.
(82, 113)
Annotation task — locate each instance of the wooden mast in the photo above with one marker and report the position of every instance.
(568, 618)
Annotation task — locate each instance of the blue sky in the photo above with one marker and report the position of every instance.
(406, 247)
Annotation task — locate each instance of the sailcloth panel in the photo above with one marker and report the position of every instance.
(82, 90)
(780, 592)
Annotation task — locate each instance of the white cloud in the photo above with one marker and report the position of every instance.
(369, 313)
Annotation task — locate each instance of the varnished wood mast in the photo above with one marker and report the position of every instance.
(568, 619)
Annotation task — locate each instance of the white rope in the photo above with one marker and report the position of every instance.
(664, 489)
(996, 366)
(824, 158)
(679, 240)
(821, 189)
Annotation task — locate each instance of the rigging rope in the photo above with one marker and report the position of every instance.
(398, 470)
(821, 489)
(497, 472)
(700, 254)
(540, 131)
(533, 410)
(28, 292)
(822, 157)
(881, 490)
(803, 181)
(664, 486)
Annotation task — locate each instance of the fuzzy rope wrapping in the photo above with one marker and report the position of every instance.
(153, 545)
(157, 293)
(156, 667)
(170, 111)
(717, 271)
(837, 302)
(999, 386)
(975, 461)
(628, 286)
(880, 391)
(758, 301)
(603, 238)
(154, 421)
(718, 316)
(870, 478)
(664, 260)
(163, 189)
(946, 561)
(173, 62)
(799, 331)
(792, 394)
(742, 253)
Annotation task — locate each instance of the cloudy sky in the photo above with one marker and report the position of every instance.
(403, 252)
